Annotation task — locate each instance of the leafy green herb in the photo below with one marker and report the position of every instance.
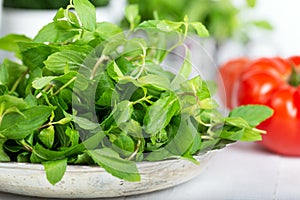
(91, 93)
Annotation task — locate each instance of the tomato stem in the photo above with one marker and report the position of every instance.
(294, 78)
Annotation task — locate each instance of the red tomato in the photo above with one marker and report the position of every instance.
(266, 81)
(229, 72)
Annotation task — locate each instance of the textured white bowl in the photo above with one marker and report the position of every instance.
(95, 182)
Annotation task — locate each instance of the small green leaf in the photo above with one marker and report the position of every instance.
(148, 25)
(86, 13)
(4, 76)
(112, 163)
(40, 83)
(169, 26)
(124, 145)
(251, 3)
(251, 135)
(73, 135)
(55, 34)
(122, 112)
(85, 123)
(200, 29)
(155, 81)
(34, 54)
(108, 30)
(3, 156)
(237, 122)
(55, 170)
(47, 136)
(132, 127)
(114, 71)
(263, 24)
(59, 61)
(9, 101)
(16, 126)
(132, 14)
(253, 114)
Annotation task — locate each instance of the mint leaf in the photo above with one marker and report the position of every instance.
(253, 114)
(112, 163)
(55, 170)
(10, 42)
(132, 15)
(200, 29)
(3, 156)
(54, 34)
(67, 59)
(16, 126)
(86, 13)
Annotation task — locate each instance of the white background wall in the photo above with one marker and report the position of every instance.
(285, 16)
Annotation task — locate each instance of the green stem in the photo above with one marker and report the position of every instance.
(64, 86)
(294, 79)
(136, 150)
(102, 59)
(25, 145)
(16, 84)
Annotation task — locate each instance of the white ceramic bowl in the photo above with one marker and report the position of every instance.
(95, 182)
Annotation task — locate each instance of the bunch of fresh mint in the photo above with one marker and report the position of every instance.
(91, 93)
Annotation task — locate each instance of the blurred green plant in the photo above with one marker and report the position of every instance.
(221, 17)
(46, 4)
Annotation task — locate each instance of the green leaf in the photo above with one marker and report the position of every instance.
(3, 89)
(200, 29)
(108, 30)
(3, 156)
(34, 54)
(40, 83)
(237, 122)
(47, 136)
(54, 34)
(15, 126)
(86, 13)
(122, 112)
(132, 14)
(71, 59)
(85, 123)
(9, 101)
(4, 76)
(73, 135)
(10, 42)
(234, 135)
(251, 3)
(253, 114)
(112, 163)
(14, 70)
(263, 24)
(124, 145)
(154, 81)
(183, 139)
(160, 113)
(114, 71)
(251, 135)
(132, 128)
(148, 25)
(169, 26)
(55, 170)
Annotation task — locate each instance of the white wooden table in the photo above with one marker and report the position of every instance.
(241, 171)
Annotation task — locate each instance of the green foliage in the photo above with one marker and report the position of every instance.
(91, 93)
(221, 18)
